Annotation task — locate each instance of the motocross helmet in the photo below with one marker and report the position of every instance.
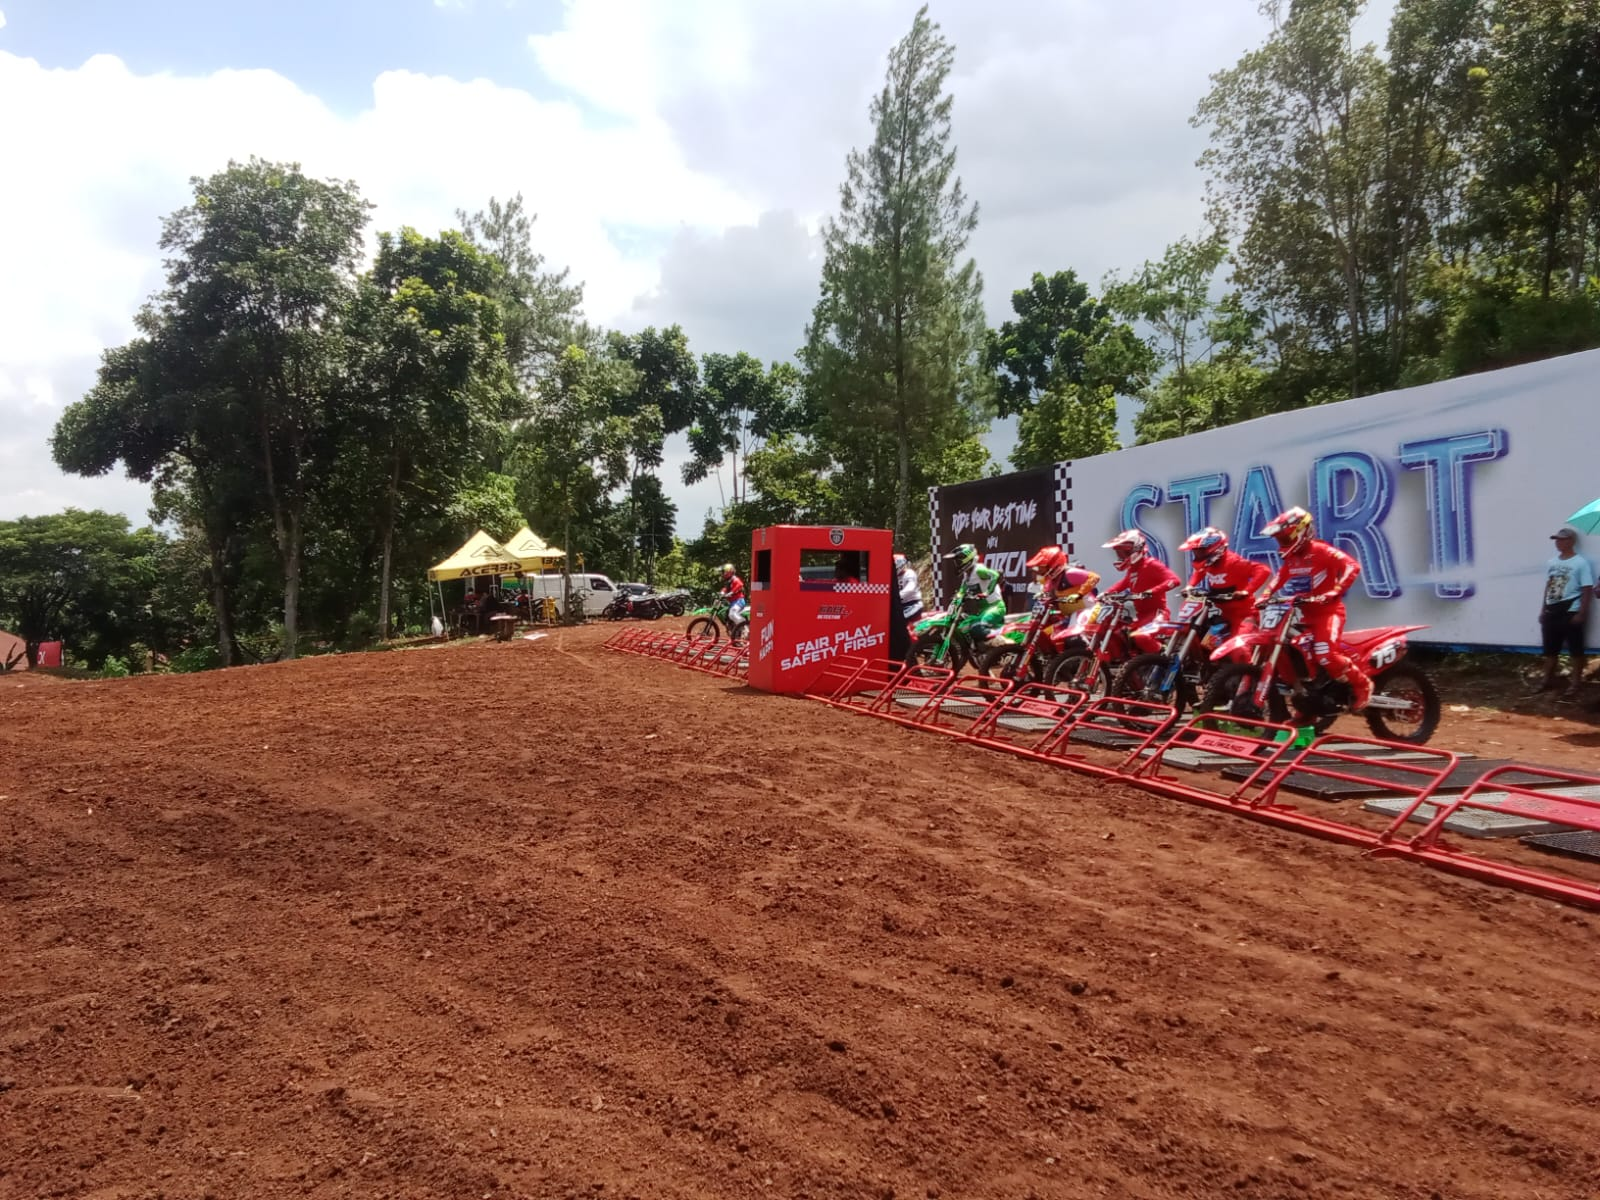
(1208, 546)
(900, 563)
(1130, 548)
(1048, 564)
(726, 570)
(965, 556)
(1291, 529)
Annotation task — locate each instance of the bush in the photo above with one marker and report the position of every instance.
(196, 658)
(113, 668)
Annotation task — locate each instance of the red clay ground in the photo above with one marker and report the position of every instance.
(544, 921)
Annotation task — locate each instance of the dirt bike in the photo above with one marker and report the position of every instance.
(952, 637)
(713, 622)
(1282, 679)
(1111, 635)
(1028, 643)
(1180, 671)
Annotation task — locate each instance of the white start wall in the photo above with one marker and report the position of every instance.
(1446, 493)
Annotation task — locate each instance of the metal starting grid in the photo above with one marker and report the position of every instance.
(1138, 744)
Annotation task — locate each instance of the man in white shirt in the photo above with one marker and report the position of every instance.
(1568, 588)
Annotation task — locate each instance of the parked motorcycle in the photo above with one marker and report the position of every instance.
(1281, 678)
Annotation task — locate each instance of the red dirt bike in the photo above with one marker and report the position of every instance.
(1281, 678)
(1110, 635)
(1028, 643)
(1180, 671)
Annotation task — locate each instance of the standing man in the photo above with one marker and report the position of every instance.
(1568, 588)
(906, 601)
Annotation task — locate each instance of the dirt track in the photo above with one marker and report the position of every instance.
(543, 921)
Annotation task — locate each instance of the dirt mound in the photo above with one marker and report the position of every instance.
(536, 920)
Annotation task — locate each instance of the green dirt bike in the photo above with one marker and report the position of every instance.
(712, 622)
(951, 638)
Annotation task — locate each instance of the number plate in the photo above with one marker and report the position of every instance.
(1190, 609)
(1272, 616)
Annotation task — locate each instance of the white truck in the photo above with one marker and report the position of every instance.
(593, 591)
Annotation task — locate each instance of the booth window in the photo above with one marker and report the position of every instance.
(837, 566)
(763, 571)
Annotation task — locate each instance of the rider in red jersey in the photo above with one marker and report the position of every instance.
(1318, 575)
(1143, 574)
(1218, 569)
(733, 595)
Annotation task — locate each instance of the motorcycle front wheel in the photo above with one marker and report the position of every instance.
(1005, 662)
(1232, 691)
(705, 627)
(1143, 678)
(1415, 724)
(1079, 670)
(925, 650)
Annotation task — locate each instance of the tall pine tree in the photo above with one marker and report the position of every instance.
(893, 350)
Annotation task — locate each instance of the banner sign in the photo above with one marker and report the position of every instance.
(1447, 494)
(1007, 518)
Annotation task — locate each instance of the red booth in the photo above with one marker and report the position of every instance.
(816, 593)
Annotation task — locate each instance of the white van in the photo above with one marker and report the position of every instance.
(600, 590)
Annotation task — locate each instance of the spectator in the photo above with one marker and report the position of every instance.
(1568, 587)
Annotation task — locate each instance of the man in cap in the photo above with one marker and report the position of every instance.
(1568, 588)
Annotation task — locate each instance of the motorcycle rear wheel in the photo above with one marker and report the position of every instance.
(1405, 682)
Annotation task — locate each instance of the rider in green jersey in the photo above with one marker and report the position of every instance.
(979, 594)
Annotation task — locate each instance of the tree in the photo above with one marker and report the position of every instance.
(741, 405)
(81, 577)
(1539, 201)
(575, 445)
(1297, 130)
(541, 307)
(1060, 365)
(661, 401)
(892, 350)
(430, 370)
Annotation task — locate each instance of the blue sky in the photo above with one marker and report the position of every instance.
(333, 48)
(679, 153)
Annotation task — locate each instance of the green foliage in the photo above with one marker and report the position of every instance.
(1061, 363)
(82, 577)
(892, 352)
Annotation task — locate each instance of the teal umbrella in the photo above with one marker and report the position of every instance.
(1587, 518)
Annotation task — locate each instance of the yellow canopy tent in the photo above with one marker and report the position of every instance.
(531, 551)
(482, 555)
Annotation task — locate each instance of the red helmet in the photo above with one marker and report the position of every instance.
(1291, 529)
(1208, 546)
(1130, 548)
(1049, 563)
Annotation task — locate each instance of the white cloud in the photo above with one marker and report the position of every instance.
(114, 150)
(680, 171)
(2, 20)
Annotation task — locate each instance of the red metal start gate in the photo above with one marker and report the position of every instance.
(1060, 727)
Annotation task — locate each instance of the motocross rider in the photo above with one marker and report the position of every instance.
(980, 585)
(1065, 585)
(1317, 576)
(1218, 570)
(732, 595)
(1145, 577)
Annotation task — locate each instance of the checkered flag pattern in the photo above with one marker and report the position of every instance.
(938, 548)
(861, 589)
(1064, 531)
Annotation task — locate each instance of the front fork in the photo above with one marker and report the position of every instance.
(1269, 676)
